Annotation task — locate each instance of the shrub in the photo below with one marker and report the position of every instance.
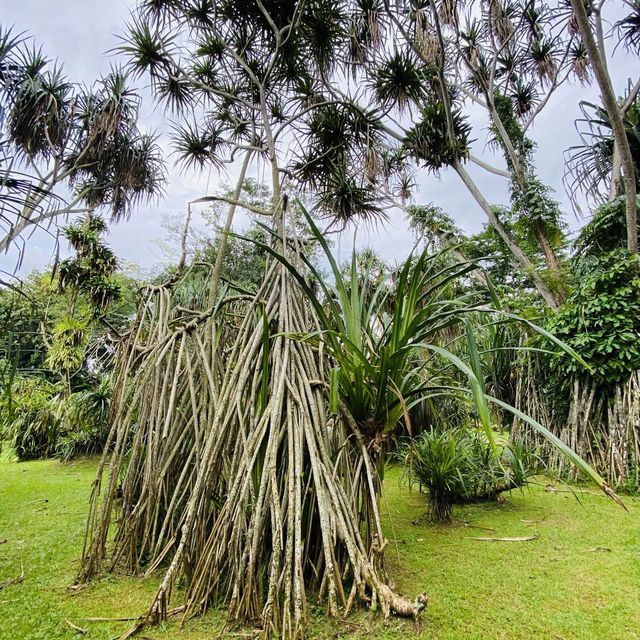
(44, 422)
(601, 320)
(460, 465)
(83, 427)
(33, 431)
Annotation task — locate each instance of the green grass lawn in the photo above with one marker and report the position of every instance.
(579, 579)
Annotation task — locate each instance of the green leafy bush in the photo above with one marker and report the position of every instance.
(460, 465)
(45, 422)
(34, 429)
(7, 377)
(83, 426)
(606, 231)
(66, 351)
(601, 319)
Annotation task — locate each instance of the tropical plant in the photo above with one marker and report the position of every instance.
(359, 370)
(66, 349)
(388, 359)
(22, 309)
(629, 26)
(34, 429)
(31, 309)
(7, 402)
(41, 419)
(281, 523)
(416, 97)
(90, 272)
(601, 319)
(223, 460)
(57, 137)
(438, 463)
(83, 424)
(593, 407)
(587, 21)
(605, 232)
(591, 166)
(460, 465)
(534, 212)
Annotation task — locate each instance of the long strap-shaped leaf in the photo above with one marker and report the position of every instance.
(584, 466)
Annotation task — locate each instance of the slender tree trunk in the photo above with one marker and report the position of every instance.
(224, 240)
(551, 258)
(503, 232)
(616, 179)
(520, 179)
(520, 256)
(615, 115)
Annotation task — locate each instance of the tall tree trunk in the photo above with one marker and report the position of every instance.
(518, 176)
(224, 240)
(615, 115)
(551, 258)
(503, 232)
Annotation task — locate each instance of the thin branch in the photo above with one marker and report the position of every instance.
(490, 168)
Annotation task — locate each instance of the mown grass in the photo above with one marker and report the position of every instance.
(579, 579)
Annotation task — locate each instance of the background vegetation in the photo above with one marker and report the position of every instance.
(247, 400)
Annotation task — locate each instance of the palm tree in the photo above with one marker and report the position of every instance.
(57, 138)
(588, 21)
(246, 493)
(222, 454)
(591, 166)
(415, 99)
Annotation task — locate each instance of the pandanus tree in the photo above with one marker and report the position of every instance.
(587, 21)
(65, 149)
(231, 462)
(232, 476)
(90, 271)
(419, 70)
(591, 166)
(87, 276)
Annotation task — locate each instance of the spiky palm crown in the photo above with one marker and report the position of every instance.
(401, 80)
(524, 96)
(224, 101)
(428, 140)
(629, 27)
(90, 272)
(90, 135)
(589, 163)
(230, 71)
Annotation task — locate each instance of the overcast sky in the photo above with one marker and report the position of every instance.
(80, 34)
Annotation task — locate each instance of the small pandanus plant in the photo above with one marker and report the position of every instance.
(389, 352)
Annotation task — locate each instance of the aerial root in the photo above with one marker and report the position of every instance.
(233, 474)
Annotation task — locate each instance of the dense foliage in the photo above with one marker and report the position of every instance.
(32, 430)
(461, 465)
(43, 421)
(55, 365)
(255, 398)
(601, 319)
(60, 139)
